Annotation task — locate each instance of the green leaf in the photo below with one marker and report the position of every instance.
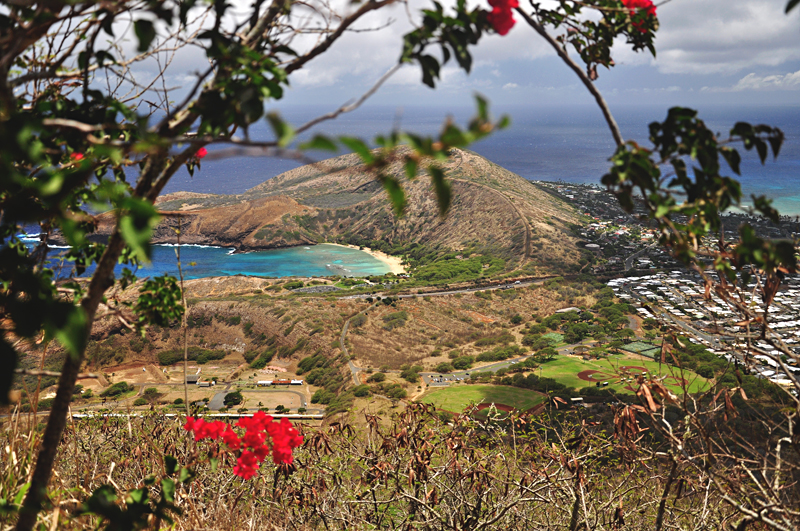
(483, 107)
(137, 496)
(138, 220)
(442, 188)
(8, 360)
(168, 489)
(732, 157)
(320, 143)
(145, 32)
(21, 494)
(170, 464)
(101, 502)
(411, 168)
(67, 323)
(186, 475)
(284, 132)
(359, 147)
(396, 194)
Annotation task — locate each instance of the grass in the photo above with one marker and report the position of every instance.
(457, 398)
(565, 369)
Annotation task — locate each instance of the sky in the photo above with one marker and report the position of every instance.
(709, 52)
(732, 52)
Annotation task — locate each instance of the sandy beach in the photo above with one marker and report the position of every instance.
(395, 263)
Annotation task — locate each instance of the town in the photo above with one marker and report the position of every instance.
(660, 288)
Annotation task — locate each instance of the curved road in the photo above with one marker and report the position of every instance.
(517, 284)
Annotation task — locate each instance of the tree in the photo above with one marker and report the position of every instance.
(233, 399)
(444, 367)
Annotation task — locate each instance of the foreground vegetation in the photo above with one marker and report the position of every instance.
(550, 472)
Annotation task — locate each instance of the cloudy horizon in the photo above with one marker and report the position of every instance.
(717, 51)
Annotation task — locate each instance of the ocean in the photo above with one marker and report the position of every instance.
(570, 144)
(199, 261)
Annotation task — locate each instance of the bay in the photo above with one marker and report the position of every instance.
(307, 261)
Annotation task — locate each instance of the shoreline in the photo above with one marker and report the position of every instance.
(394, 263)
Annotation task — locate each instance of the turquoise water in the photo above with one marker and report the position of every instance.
(317, 260)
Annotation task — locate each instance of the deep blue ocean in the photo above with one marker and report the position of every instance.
(570, 144)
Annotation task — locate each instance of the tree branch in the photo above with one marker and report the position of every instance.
(612, 124)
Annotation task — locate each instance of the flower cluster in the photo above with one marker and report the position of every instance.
(502, 17)
(262, 435)
(645, 6)
(202, 152)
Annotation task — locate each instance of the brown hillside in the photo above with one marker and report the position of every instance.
(232, 225)
(493, 208)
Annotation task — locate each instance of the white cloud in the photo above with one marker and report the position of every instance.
(724, 36)
(753, 82)
(510, 86)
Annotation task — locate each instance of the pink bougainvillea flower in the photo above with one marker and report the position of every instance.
(645, 7)
(502, 16)
(75, 157)
(202, 152)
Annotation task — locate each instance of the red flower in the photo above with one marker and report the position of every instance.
(262, 436)
(75, 157)
(230, 439)
(642, 8)
(502, 17)
(246, 465)
(202, 152)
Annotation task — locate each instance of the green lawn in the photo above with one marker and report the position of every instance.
(458, 397)
(565, 369)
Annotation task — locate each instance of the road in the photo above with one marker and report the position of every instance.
(634, 256)
(517, 284)
(218, 402)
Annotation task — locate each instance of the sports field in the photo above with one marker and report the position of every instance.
(554, 337)
(640, 347)
(619, 371)
(457, 398)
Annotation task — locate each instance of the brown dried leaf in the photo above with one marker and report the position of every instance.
(644, 390)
